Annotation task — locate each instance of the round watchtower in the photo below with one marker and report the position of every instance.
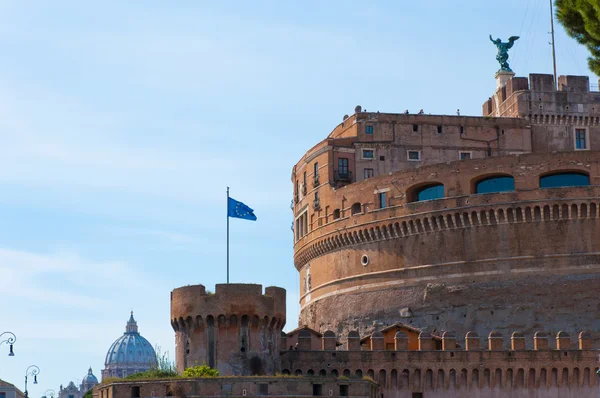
(236, 330)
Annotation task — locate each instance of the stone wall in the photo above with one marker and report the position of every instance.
(289, 387)
(559, 368)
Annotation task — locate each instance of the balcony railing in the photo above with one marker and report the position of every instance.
(342, 176)
(316, 204)
(316, 181)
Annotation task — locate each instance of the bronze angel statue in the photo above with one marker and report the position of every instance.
(502, 56)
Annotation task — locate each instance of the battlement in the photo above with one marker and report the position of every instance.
(526, 98)
(447, 341)
(561, 368)
(193, 304)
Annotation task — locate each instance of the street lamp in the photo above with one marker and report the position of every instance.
(33, 372)
(9, 340)
(49, 394)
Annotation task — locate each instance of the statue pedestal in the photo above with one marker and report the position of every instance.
(503, 76)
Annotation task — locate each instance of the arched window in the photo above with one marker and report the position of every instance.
(356, 208)
(336, 214)
(427, 192)
(565, 179)
(495, 184)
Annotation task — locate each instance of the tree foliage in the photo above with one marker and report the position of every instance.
(200, 371)
(581, 19)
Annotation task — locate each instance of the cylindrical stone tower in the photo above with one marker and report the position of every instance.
(236, 330)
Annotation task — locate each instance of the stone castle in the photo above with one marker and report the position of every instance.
(438, 256)
(455, 223)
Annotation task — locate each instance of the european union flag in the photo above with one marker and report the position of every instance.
(237, 209)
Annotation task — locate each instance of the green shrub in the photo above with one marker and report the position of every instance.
(153, 374)
(201, 371)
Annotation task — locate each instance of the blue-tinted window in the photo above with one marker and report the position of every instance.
(495, 184)
(430, 192)
(369, 130)
(564, 180)
(382, 200)
(580, 139)
(414, 155)
(367, 154)
(343, 165)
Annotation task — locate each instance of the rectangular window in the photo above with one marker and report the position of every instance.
(343, 165)
(368, 154)
(417, 395)
(440, 129)
(316, 170)
(580, 139)
(415, 128)
(301, 225)
(464, 155)
(414, 156)
(263, 389)
(382, 200)
(369, 130)
(368, 173)
(317, 390)
(344, 390)
(135, 392)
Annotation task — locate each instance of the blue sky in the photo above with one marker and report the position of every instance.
(122, 123)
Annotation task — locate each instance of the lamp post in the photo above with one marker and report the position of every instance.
(49, 394)
(9, 340)
(33, 372)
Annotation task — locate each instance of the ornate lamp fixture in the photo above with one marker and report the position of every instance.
(32, 370)
(9, 340)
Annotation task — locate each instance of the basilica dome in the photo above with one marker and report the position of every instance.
(129, 354)
(89, 378)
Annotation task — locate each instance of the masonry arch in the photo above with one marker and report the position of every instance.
(493, 183)
(565, 178)
(425, 191)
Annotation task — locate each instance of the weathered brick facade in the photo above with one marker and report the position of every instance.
(289, 387)
(466, 261)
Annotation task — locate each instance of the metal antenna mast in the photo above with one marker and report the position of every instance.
(553, 46)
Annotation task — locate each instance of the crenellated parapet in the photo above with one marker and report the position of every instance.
(448, 341)
(236, 329)
(557, 364)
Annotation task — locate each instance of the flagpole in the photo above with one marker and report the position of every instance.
(227, 235)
